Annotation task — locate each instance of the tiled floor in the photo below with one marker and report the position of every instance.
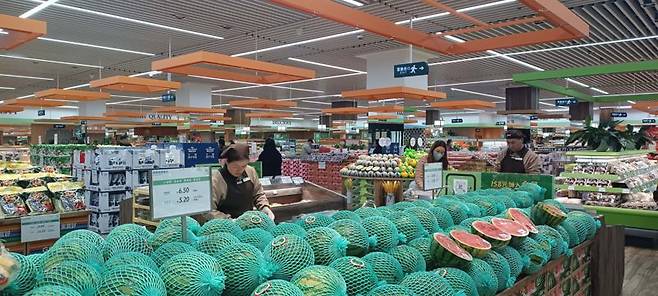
(641, 272)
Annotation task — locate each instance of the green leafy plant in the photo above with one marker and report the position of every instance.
(604, 137)
(639, 138)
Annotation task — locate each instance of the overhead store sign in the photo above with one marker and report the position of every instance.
(533, 117)
(59, 126)
(649, 120)
(288, 123)
(565, 102)
(83, 122)
(411, 69)
(159, 116)
(168, 97)
(501, 123)
(41, 112)
(457, 120)
(619, 114)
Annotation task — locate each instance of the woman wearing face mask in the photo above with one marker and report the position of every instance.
(236, 187)
(436, 154)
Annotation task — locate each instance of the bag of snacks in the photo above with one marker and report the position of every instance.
(11, 202)
(38, 201)
(8, 180)
(68, 196)
(31, 180)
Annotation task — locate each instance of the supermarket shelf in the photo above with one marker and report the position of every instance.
(642, 219)
(375, 178)
(591, 176)
(145, 222)
(594, 189)
(608, 154)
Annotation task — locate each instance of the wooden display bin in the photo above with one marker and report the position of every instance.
(10, 232)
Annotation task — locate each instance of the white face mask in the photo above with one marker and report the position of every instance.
(437, 155)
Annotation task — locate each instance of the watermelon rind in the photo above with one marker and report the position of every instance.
(446, 252)
(472, 243)
(492, 234)
(518, 215)
(547, 214)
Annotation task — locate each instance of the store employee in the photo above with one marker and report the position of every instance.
(235, 187)
(517, 158)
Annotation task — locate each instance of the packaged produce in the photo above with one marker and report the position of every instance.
(385, 266)
(7, 180)
(11, 202)
(68, 196)
(358, 274)
(38, 201)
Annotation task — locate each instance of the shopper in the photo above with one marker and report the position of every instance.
(307, 149)
(235, 187)
(124, 140)
(270, 158)
(438, 153)
(516, 157)
(378, 148)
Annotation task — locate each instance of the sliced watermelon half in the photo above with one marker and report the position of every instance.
(446, 252)
(510, 227)
(491, 233)
(472, 243)
(518, 216)
(554, 216)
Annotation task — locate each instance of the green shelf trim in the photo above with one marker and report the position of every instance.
(628, 217)
(591, 176)
(471, 125)
(608, 154)
(593, 189)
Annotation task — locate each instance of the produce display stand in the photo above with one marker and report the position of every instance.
(10, 232)
(377, 195)
(463, 181)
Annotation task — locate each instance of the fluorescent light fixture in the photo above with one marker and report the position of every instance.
(383, 101)
(77, 86)
(353, 2)
(500, 102)
(312, 97)
(25, 77)
(486, 5)
(293, 82)
(68, 107)
(599, 90)
(50, 61)
(39, 7)
(96, 46)
(556, 110)
(547, 104)
(149, 73)
(294, 118)
(299, 43)
(3, 32)
(131, 20)
(128, 97)
(472, 82)
(314, 102)
(136, 100)
(26, 96)
(235, 96)
(326, 65)
(616, 107)
(6, 87)
(631, 102)
(576, 82)
(476, 93)
(253, 85)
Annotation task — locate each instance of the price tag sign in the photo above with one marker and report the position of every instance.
(180, 192)
(265, 181)
(286, 180)
(571, 188)
(297, 180)
(40, 227)
(432, 176)
(601, 189)
(322, 165)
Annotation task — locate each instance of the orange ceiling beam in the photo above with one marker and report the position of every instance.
(214, 118)
(463, 104)
(20, 31)
(263, 103)
(646, 106)
(268, 115)
(387, 109)
(382, 117)
(189, 110)
(10, 109)
(396, 92)
(125, 114)
(197, 63)
(345, 111)
(89, 118)
(72, 95)
(135, 84)
(33, 103)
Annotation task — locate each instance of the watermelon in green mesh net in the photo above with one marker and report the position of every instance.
(345, 214)
(557, 204)
(514, 259)
(483, 276)
(536, 192)
(288, 228)
(244, 268)
(507, 201)
(25, 279)
(52, 290)
(130, 228)
(536, 252)
(320, 280)
(426, 218)
(458, 210)
(315, 220)
(522, 199)
(501, 269)
(586, 225)
(220, 225)
(473, 210)
(277, 288)
(459, 280)
(385, 266)
(358, 274)
(422, 203)
(429, 283)
(75, 274)
(384, 232)
(410, 259)
(366, 212)
(256, 237)
(422, 244)
(401, 206)
(73, 249)
(558, 246)
(87, 236)
(442, 216)
(129, 258)
(193, 274)
(254, 219)
(168, 235)
(132, 280)
(391, 290)
(570, 232)
(192, 225)
(382, 211)
(168, 250)
(327, 244)
(289, 254)
(408, 225)
(126, 242)
(357, 238)
(211, 244)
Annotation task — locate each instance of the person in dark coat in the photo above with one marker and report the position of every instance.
(271, 159)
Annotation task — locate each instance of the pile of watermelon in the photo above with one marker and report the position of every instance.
(473, 244)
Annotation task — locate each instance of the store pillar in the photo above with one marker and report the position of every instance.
(194, 94)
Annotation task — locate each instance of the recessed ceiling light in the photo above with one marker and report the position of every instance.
(136, 100)
(96, 46)
(39, 7)
(472, 82)
(6, 87)
(50, 61)
(476, 93)
(25, 77)
(326, 65)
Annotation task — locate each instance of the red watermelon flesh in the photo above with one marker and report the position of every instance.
(471, 240)
(491, 231)
(450, 245)
(511, 227)
(520, 217)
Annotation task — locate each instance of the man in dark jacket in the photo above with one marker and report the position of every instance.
(270, 159)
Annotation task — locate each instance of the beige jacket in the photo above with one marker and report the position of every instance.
(219, 189)
(531, 161)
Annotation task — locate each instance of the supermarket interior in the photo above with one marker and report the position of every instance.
(328, 147)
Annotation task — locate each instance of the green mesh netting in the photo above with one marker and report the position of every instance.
(391, 290)
(129, 258)
(422, 244)
(244, 267)
(289, 228)
(366, 212)
(422, 203)
(580, 226)
(522, 199)
(383, 211)
(25, 279)
(384, 232)
(290, 254)
(327, 244)
(211, 244)
(401, 206)
(489, 206)
(559, 246)
(571, 233)
(501, 269)
(425, 217)
(408, 225)
(385, 266)
(220, 225)
(254, 219)
(459, 280)
(345, 214)
(458, 210)
(320, 280)
(356, 235)
(473, 210)
(53, 291)
(507, 201)
(70, 250)
(277, 288)
(75, 274)
(514, 259)
(467, 223)
(315, 220)
(563, 233)
(442, 216)
(410, 259)
(483, 276)
(536, 191)
(358, 274)
(169, 235)
(126, 241)
(429, 283)
(538, 256)
(585, 222)
(168, 250)
(256, 237)
(557, 204)
(132, 280)
(192, 225)
(193, 274)
(87, 236)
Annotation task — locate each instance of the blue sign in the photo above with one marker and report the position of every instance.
(565, 102)
(501, 123)
(619, 114)
(649, 120)
(200, 153)
(533, 117)
(411, 69)
(83, 122)
(59, 126)
(457, 120)
(156, 124)
(168, 97)
(41, 112)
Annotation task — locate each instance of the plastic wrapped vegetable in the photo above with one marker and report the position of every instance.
(501, 269)
(126, 242)
(536, 192)
(168, 250)
(346, 214)
(38, 201)
(319, 280)
(384, 232)
(68, 196)
(192, 224)
(459, 280)
(277, 288)
(385, 266)
(256, 237)
(356, 236)
(17, 273)
(358, 274)
(429, 283)
(131, 280)
(366, 212)
(193, 274)
(70, 250)
(90, 237)
(442, 216)
(514, 259)
(212, 243)
(315, 220)
(244, 267)
(168, 235)
(220, 225)
(410, 259)
(254, 219)
(408, 225)
(391, 290)
(289, 254)
(52, 290)
(11, 202)
(288, 228)
(426, 218)
(130, 258)
(422, 244)
(75, 274)
(327, 244)
(483, 276)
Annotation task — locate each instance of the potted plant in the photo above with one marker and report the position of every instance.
(604, 137)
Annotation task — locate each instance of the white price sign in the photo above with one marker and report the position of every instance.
(297, 180)
(433, 176)
(322, 165)
(286, 180)
(180, 192)
(41, 227)
(265, 181)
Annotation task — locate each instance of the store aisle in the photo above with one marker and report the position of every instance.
(641, 272)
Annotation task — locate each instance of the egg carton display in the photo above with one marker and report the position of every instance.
(108, 180)
(106, 201)
(103, 222)
(602, 199)
(633, 167)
